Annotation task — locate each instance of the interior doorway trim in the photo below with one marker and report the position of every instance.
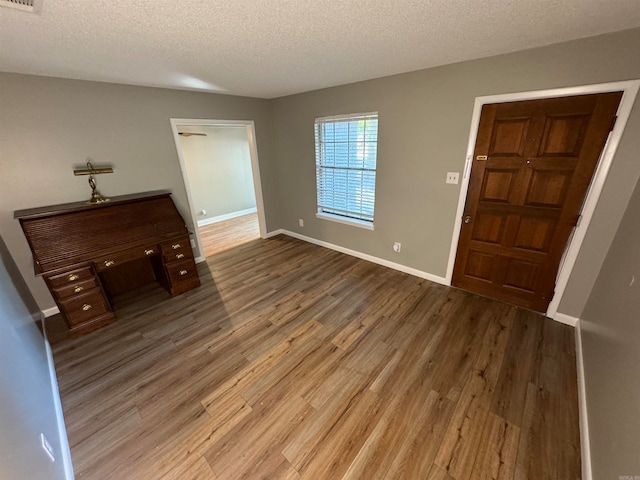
(630, 89)
(255, 169)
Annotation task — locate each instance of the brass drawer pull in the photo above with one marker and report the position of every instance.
(86, 306)
(109, 263)
(148, 251)
(78, 289)
(176, 246)
(73, 277)
(183, 272)
(180, 255)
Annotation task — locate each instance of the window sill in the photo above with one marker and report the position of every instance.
(347, 221)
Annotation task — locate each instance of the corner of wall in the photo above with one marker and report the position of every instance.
(566, 319)
(49, 312)
(62, 430)
(585, 445)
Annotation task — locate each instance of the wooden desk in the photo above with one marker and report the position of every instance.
(88, 253)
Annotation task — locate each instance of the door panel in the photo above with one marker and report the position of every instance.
(521, 274)
(480, 265)
(534, 233)
(489, 227)
(533, 162)
(548, 188)
(509, 137)
(563, 135)
(498, 184)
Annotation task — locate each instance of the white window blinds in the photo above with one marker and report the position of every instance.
(346, 151)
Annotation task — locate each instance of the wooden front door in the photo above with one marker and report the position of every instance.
(532, 165)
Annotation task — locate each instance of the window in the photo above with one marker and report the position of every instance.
(346, 151)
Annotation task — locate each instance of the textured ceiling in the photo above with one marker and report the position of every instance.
(271, 48)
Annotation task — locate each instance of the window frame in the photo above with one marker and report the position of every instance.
(344, 219)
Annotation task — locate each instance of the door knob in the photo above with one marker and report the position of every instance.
(467, 219)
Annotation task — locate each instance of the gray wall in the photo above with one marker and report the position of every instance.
(48, 126)
(27, 396)
(610, 332)
(424, 121)
(219, 170)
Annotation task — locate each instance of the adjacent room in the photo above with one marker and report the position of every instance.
(319, 240)
(218, 174)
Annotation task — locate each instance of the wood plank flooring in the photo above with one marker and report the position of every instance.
(292, 361)
(221, 236)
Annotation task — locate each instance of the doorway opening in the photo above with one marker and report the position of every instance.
(219, 165)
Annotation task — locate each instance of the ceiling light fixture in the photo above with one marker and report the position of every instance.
(189, 134)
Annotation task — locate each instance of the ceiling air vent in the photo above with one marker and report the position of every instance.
(24, 5)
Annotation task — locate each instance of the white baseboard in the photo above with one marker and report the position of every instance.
(275, 232)
(226, 216)
(49, 312)
(585, 444)
(364, 256)
(566, 319)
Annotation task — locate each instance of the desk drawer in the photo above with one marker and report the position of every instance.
(181, 271)
(172, 250)
(177, 255)
(77, 287)
(125, 256)
(71, 278)
(84, 307)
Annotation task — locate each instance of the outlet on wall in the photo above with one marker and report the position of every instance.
(301, 222)
(46, 446)
(397, 246)
(452, 177)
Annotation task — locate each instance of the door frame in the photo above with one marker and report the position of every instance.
(630, 89)
(255, 169)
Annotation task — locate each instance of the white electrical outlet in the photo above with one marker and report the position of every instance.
(452, 177)
(301, 222)
(397, 246)
(46, 446)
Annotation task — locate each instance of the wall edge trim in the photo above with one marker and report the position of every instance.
(275, 233)
(50, 312)
(566, 319)
(62, 429)
(585, 444)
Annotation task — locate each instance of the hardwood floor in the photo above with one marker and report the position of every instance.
(221, 236)
(292, 361)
